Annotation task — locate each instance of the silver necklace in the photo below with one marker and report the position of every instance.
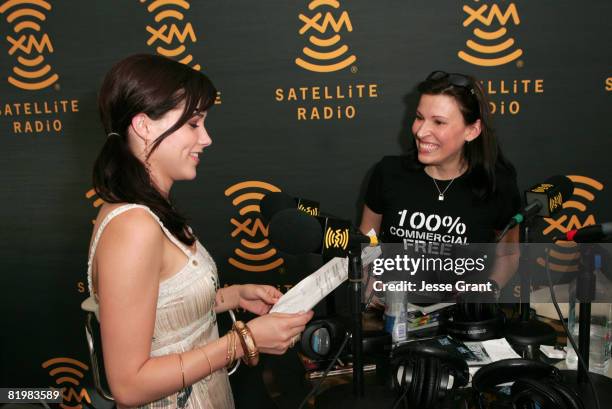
(441, 193)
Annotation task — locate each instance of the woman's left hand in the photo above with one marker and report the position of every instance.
(256, 298)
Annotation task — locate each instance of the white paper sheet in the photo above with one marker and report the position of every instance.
(499, 349)
(308, 292)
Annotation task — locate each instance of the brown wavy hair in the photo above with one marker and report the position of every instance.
(152, 85)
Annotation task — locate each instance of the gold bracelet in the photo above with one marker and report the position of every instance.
(209, 364)
(180, 356)
(251, 354)
(233, 350)
(228, 356)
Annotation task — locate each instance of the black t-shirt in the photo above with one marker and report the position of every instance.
(412, 213)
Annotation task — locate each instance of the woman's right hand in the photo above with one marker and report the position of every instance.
(274, 333)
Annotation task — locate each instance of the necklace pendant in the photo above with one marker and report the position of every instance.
(441, 197)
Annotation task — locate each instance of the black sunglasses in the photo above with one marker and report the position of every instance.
(455, 79)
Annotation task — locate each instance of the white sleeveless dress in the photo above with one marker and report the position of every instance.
(185, 319)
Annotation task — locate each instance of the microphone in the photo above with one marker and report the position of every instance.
(274, 202)
(295, 232)
(544, 199)
(588, 234)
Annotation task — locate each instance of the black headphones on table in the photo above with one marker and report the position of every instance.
(536, 385)
(322, 338)
(426, 375)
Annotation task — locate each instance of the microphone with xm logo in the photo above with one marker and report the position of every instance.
(274, 202)
(544, 199)
(295, 232)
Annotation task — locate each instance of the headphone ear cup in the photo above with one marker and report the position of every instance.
(466, 311)
(528, 391)
(429, 381)
(570, 397)
(399, 373)
(416, 390)
(437, 393)
(478, 312)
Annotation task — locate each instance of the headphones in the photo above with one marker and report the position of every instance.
(536, 385)
(322, 338)
(426, 375)
(474, 321)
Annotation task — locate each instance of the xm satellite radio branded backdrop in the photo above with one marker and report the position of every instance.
(311, 95)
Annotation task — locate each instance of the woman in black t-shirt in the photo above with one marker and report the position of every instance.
(454, 186)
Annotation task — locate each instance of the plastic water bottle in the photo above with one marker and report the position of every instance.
(395, 314)
(601, 324)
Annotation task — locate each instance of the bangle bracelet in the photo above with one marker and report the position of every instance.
(180, 357)
(230, 344)
(233, 351)
(208, 359)
(251, 354)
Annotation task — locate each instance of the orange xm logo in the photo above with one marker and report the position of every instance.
(29, 44)
(96, 201)
(336, 238)
(255, 253)
(574, 215)
(332, 56)
(171, 33)
(68, 374)
(490, 28)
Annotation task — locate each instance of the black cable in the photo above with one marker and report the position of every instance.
(401, 398)
(503, 233)
(567, 332)
(318, 385)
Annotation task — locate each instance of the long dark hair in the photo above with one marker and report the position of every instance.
(152, 85)
(483, 155)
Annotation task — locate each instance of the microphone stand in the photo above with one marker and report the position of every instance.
(355, 277)
(339, 395)
(585, 293)
(527, 333)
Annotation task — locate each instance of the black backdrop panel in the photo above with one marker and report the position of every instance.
(277, 125)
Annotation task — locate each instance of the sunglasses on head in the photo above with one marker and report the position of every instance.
(455, 79)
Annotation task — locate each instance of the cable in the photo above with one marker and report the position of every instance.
(503, 233)
(567, 332)
(318, 385)
(401, 398)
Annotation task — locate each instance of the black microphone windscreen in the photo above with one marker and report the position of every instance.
(565, 185)
(294, 232)
(273, 203)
